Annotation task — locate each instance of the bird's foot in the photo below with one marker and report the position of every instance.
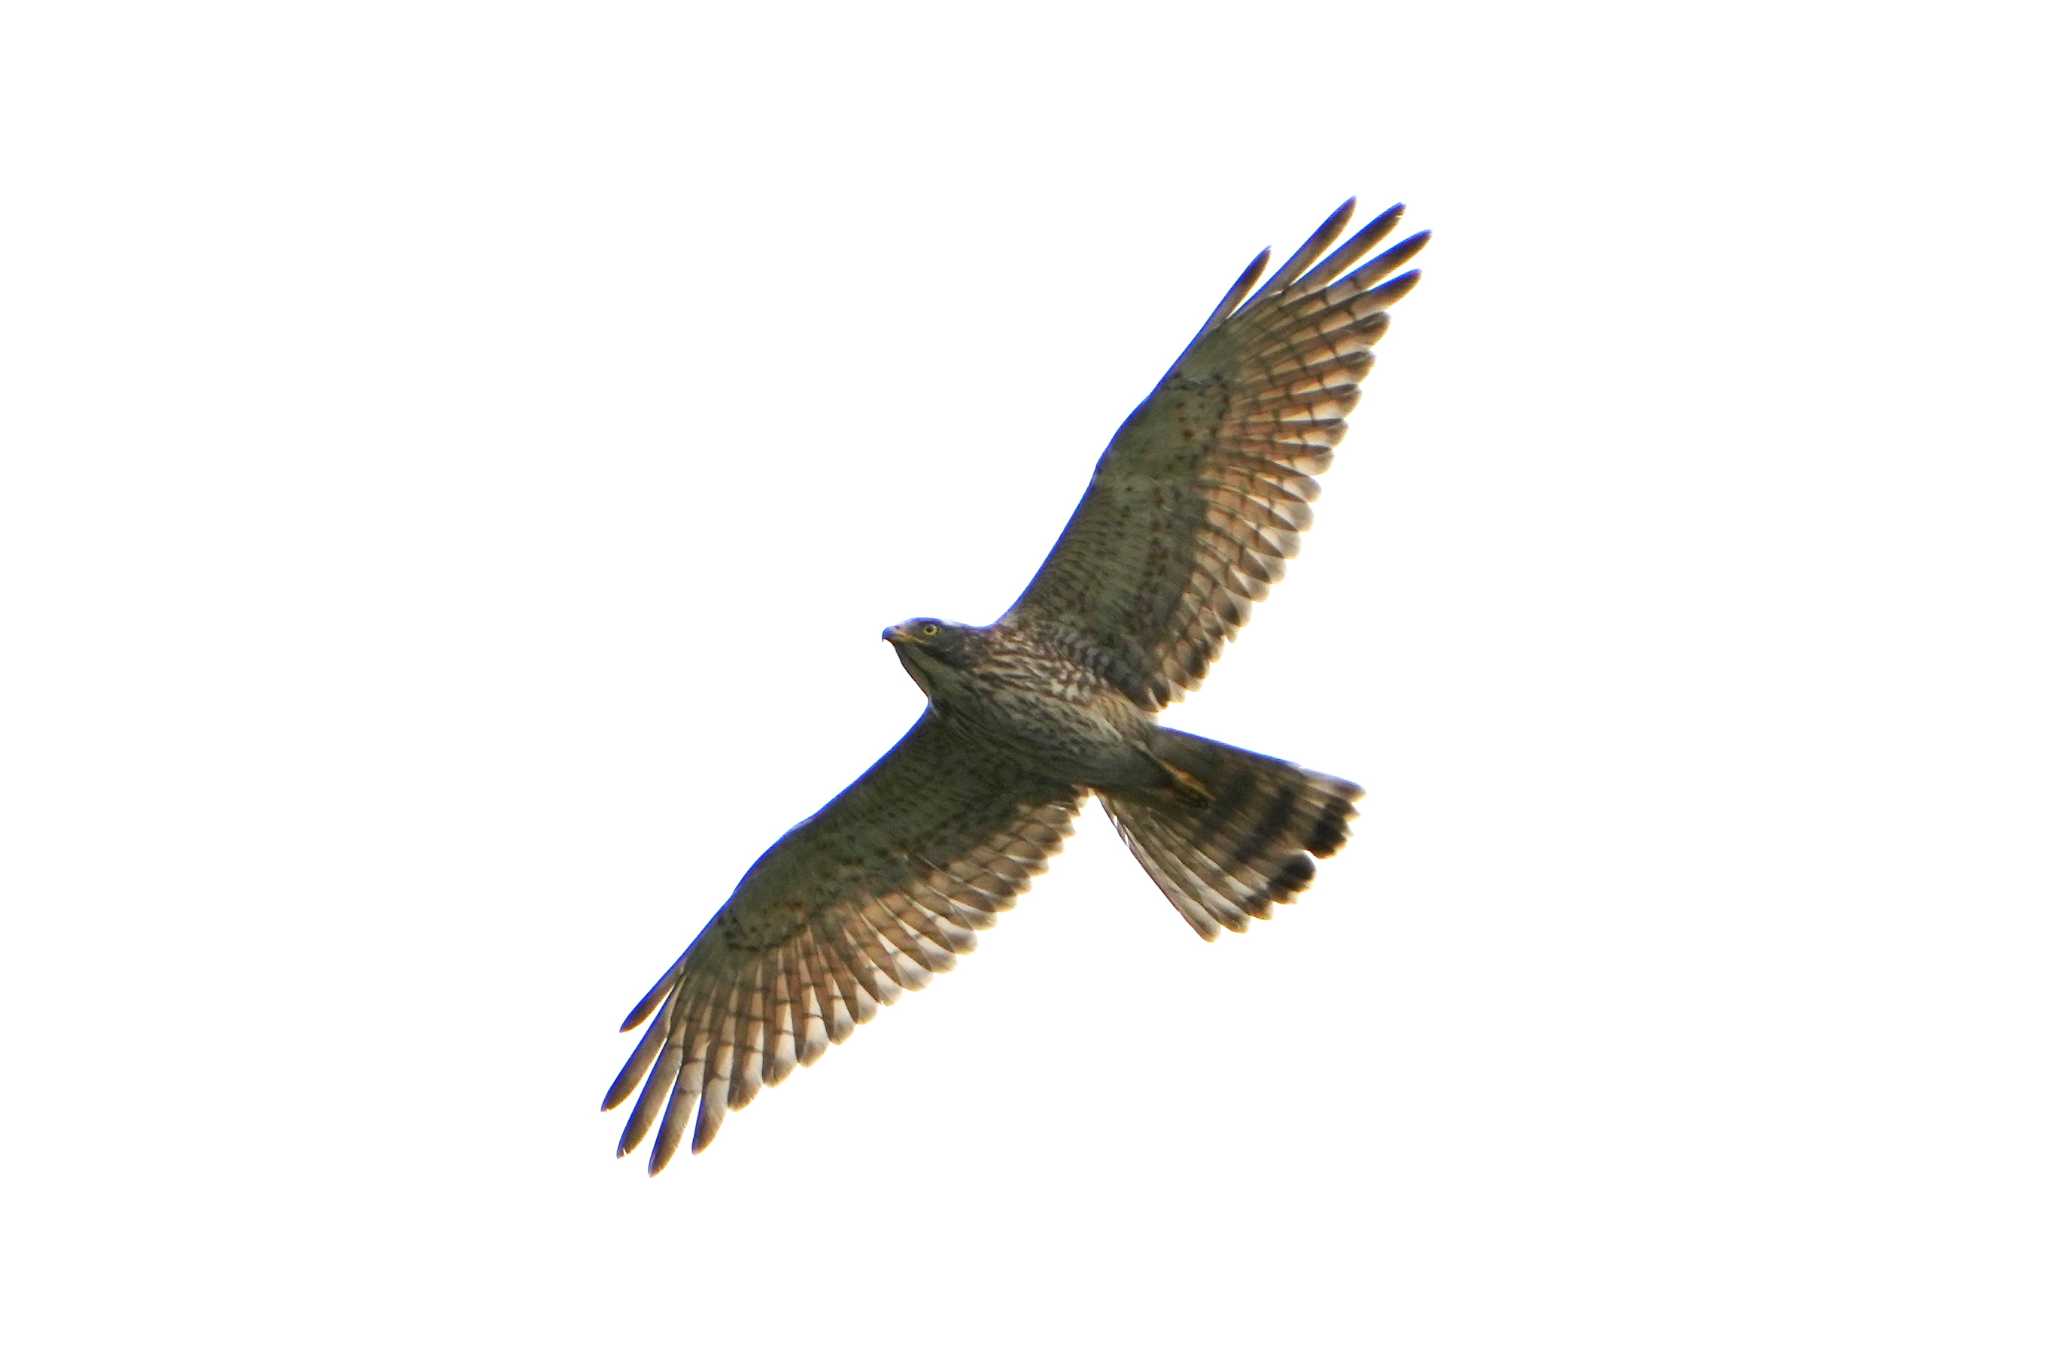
(1186, 785)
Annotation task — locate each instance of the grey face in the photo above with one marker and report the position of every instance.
(928, 649)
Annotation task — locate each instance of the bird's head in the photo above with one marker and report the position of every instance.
(929, 649)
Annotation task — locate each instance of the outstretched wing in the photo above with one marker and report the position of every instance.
(1202, 494)
(874, 893)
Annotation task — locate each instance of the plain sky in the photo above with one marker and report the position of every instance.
(458, 460)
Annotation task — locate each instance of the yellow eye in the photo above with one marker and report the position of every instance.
(929, 630)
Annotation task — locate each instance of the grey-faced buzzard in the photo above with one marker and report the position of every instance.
(1192, 515)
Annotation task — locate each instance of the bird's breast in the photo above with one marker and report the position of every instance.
(1053, 712)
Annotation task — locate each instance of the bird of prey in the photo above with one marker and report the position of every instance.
(1192, 513)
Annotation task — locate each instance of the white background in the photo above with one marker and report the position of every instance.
(458, 460)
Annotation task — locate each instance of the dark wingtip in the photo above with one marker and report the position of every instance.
(655, 995)
(1396, 289)
(1339, 216)
(665, 1143)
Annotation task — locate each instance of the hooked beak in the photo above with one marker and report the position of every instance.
(896, 635)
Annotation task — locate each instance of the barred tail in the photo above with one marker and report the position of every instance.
(1235, 832)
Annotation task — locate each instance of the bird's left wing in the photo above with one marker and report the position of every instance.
(874, 893)
(1201, 497)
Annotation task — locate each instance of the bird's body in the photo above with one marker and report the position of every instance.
(1035, 695)
(1190, 518)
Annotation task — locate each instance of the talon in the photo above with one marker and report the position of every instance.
(1187, 785)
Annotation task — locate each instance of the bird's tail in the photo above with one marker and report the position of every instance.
(1233, 832)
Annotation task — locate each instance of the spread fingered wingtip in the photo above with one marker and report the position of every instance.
(1244, 285)
(1231, 298)
(655, 995)
(1305, 256)
(1353, 249)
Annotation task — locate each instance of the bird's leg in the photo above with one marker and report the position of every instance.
(1189, 788)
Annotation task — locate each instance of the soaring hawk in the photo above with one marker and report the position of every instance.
(1191, 516)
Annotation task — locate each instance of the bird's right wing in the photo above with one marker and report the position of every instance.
(1203, 493)
(874, 893)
